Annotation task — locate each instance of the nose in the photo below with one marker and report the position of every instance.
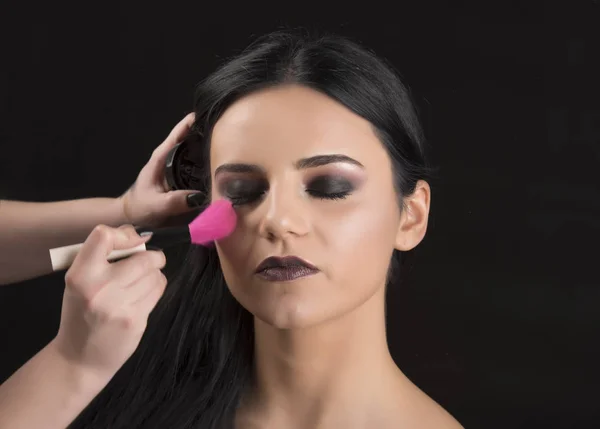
(285, 215)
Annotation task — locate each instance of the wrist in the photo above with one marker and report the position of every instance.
(83, 382)
(121, 208)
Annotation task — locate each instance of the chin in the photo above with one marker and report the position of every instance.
(287, 318)
(298, 304)
(288, 311)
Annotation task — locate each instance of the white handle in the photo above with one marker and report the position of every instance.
(63, 257)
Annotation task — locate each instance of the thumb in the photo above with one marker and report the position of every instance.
(103, 240)
(182, 201)
(127, 237)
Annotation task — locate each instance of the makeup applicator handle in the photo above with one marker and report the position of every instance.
(62, 257)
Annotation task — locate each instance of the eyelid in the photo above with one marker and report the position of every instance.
(335, 180)
(238, 187)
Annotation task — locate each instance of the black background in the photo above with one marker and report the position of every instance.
(500, 320)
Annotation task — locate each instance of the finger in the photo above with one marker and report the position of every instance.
(128, 271)
(119, 301)
(177, 134)
(134, 292)
(177, 202)
(130, 231)
(140, 290)
(103, 240)
(147, 301)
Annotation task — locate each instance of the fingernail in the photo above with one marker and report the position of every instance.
(195, 200)
(146, 234)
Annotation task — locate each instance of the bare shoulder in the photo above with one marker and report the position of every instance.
(416, 410)
(430, 415)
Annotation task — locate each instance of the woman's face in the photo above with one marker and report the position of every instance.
(310, 179)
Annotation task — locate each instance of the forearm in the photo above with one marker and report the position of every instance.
(28, 230)
(47, 392)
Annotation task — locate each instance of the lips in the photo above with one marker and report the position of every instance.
(288, 268)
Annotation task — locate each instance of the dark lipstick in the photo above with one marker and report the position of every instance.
(284, 269)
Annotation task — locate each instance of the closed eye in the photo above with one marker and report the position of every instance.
(250, 189)
(244, 190)
(330, 187)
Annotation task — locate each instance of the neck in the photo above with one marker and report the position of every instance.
(337, 366)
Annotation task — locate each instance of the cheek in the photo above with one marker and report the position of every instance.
(367, 226)
(350, 240)
(235, 252)
(357, 240)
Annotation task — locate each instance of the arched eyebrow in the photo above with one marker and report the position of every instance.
(311, 162)
(319, 160)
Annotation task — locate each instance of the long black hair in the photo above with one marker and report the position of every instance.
(196, 356)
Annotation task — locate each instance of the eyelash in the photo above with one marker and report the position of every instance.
(238, 201)
(328, 196)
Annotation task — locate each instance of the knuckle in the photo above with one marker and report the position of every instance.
(76, 281)
(100, 313)
(102, 232)
(161, 291)
(147, 263)
(153, 260)
(128, 228)
(91, 305)
(101, 229)
(162, 259)
(152, 277)
(104, 314)
(72, 277)
(139, 263)
(160, 278)
(127, 322)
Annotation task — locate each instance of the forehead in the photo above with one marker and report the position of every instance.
(278, 126)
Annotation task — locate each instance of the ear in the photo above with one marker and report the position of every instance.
(414, 217)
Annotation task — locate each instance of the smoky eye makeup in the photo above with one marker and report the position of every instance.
(245, 184)
(242, 190)
(330, 186)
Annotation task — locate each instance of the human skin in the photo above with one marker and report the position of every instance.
(321, 354)
(29, 229)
